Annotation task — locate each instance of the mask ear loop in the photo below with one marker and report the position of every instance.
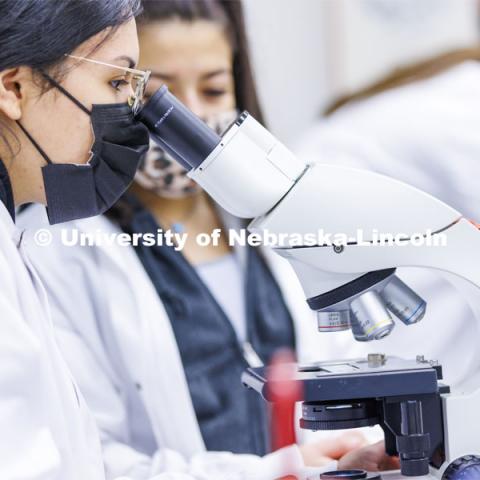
(69, 96)
(35, 144)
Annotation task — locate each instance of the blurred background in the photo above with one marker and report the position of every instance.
(310, 51)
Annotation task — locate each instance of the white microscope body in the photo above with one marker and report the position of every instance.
(252, 175)
(353, 285)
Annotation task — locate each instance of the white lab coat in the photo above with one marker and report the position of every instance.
(46, 432)
(428, 135)
(116, 336)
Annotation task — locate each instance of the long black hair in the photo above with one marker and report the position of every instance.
(229, 14)
(38, 33)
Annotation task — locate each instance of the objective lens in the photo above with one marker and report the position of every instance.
(403, 302)
(333, 321)
(357, 330)
(371, 320)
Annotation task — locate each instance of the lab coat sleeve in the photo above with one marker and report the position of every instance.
(74, 286)
(27, 448)
(106, 400)
(165, 464)
(230, 466)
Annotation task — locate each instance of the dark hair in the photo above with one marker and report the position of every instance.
(37, 33)
(229, 14)
(408, 74)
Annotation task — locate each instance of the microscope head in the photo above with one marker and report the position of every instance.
(248, 172)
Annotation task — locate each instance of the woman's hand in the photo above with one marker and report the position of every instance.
(322, 452)
(371, 458)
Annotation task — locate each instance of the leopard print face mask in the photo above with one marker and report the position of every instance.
(161, 174)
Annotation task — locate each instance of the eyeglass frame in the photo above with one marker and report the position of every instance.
(135, 100)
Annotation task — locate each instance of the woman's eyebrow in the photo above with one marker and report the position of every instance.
(162, 76)
(168, 77)
(125, 58)
(221, 71)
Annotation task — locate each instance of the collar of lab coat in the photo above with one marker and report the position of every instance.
(9, 225)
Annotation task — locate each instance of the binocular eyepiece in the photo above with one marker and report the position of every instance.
(177, 130)
(246, 170)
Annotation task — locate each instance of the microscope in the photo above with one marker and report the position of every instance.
(351, 284)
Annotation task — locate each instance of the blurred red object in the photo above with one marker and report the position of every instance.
(283, 393)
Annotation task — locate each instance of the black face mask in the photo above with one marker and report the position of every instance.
(79, 191)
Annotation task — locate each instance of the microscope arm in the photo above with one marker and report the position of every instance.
(347, 201)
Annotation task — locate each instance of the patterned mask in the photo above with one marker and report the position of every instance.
(161, 174)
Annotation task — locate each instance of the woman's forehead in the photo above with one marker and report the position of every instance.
(181, 46)
(119, 48)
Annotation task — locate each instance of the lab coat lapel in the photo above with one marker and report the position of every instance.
(7, 223)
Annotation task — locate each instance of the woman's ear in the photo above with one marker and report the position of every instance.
(11, 92)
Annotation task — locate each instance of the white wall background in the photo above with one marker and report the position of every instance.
(289, 60)
(305, 52)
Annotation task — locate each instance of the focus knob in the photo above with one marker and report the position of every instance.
(464, 468)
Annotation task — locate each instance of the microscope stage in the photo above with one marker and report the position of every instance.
(353, 379)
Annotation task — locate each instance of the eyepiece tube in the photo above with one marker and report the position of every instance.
(178, 130)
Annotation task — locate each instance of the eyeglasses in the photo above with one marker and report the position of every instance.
(138, 79)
